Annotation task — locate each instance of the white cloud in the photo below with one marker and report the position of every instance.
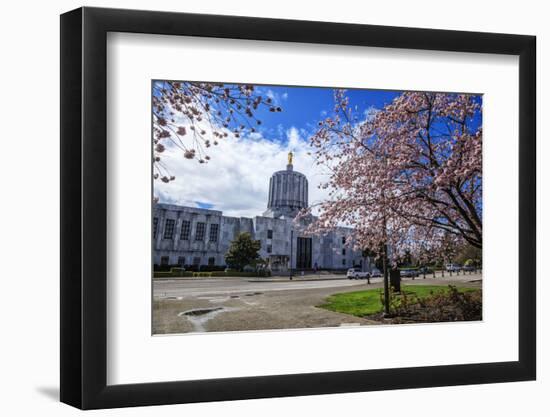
(236, 179)
(370, 112)
(294, 140)
(276, 97)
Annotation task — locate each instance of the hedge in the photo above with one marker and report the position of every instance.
(181, 273)
(162, 274)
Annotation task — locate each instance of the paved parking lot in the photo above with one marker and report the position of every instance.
(230, 304)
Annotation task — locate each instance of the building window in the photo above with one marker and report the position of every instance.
(164, 260)
(199, 233)
(270, 234)
(214, 228)
(344, 251)
(155, 226)
(181, 261)
(185, 230)
(343, 240)
(344, 261)
(211, 261)
(169, 228)
(196, 261)
(269, 249)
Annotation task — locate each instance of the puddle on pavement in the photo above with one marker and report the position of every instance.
(200, 311)
(198, 317)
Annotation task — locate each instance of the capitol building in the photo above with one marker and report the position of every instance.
(196, 236)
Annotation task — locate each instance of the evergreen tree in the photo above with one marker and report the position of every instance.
(243, 251)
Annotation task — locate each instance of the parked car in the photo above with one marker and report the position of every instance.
(452, 268)
(425, 270)
(356, 273)
(409, 273)
(375, 272)
(468, 268)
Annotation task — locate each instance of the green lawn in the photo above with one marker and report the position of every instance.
(362, 303)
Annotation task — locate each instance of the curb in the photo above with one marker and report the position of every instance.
(246, 278)
(298, 280)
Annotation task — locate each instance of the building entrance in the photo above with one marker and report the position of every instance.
(303, 253)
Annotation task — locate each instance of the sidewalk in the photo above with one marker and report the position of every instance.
(324, 277)
(276, 278)
(298, 278)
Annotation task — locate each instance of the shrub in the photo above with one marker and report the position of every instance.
(203, 268)
(211, 268)
(191, 268)
(258, 273)
(202, 274)
(173, 273)
(450, 305)
(165, 268)
(180, 273)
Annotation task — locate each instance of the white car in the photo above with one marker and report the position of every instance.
(356, 273)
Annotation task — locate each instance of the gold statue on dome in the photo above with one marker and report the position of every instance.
(290, 158)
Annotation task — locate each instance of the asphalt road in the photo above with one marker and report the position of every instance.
(236, 304)
(205, 287)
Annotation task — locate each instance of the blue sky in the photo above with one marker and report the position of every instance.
(303, 107)
(236, 179)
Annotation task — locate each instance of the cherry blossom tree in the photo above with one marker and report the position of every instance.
(409, 174)
(197, 115)
(408, 178)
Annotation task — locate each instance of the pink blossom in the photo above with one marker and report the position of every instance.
(409, 176)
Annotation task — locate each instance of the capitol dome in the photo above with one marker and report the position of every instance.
(288, 192)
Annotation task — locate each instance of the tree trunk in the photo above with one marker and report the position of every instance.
(395, 280)
(386, 282)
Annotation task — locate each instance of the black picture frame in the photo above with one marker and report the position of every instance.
(84, 207)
